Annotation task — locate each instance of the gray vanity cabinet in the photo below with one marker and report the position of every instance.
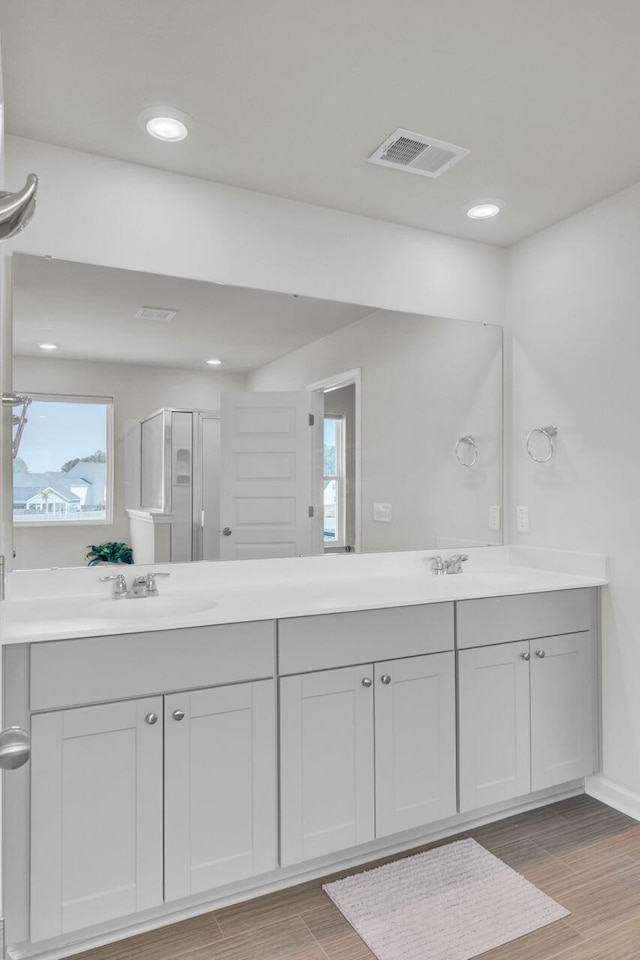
(494, 726)
(136, 802)
(96, 815)
(220, 786)
(564, 709)
(366, 752)
(366, 749)
(528, 717)
(326, 762)
(415, 733)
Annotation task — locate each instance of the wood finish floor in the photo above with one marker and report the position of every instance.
(583, 854)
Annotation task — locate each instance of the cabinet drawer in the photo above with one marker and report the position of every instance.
(71, 672)
(504, 619)
(341, 639)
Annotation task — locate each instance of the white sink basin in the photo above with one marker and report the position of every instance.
(144, 608)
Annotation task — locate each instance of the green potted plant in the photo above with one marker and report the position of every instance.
(109, 552)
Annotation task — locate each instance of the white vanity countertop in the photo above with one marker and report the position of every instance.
(62, 604)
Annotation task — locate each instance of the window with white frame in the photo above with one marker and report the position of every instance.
(63, 468)
(334, 480)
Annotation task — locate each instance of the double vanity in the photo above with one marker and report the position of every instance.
(262, 722)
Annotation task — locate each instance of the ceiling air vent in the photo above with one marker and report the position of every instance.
(416, 153)
(155, 313)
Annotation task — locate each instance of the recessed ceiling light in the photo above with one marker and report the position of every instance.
(484, 209)
(213, 363)
(165, 123)
(48, 346)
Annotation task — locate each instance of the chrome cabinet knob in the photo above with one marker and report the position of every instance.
(178, 714)
(525, 656)
(15, 748)
(385, 678)
(540, 653)
(151, 718)
(226, 532)
(366, 681)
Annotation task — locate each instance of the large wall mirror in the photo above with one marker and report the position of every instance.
(325, 427)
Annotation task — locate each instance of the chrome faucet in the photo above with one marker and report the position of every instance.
(453, 564)
(143, 586)
(119, 586)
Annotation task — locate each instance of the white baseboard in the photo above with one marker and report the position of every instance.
(613, 795)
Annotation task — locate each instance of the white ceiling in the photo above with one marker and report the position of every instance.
(89, 311)
(291, 96)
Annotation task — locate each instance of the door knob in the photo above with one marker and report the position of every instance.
(540, 653)
(525, 656)
(366, 681)
(151, 718)
(15, 748)
(226, 532)
(178, 714)
(385, 678)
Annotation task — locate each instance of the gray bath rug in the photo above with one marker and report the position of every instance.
(451, 903)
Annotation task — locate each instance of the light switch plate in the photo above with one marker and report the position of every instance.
(382, 512)
(522, 519)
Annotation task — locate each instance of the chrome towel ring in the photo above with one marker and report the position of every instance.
(469, 441)
(549, 433)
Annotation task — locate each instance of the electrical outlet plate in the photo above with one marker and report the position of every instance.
(494, 517)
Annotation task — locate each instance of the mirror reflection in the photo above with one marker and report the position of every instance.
(191, 420)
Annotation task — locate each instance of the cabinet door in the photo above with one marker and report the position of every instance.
(494, 727)
(564, 709)
(326, 762)
(96, 815)
(415, 724)
(220, 786)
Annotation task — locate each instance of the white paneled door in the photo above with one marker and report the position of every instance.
(220, 786)
(267, 448)
(415, 724)
(494, 724)
(96, 815)
(326, 762)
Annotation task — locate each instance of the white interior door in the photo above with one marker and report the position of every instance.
(266, 491)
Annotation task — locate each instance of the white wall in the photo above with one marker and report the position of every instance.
(574, 331)
(425, 382)
(103, 211)
(137, 391)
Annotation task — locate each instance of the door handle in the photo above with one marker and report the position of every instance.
(15, 748)
(226, 532)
